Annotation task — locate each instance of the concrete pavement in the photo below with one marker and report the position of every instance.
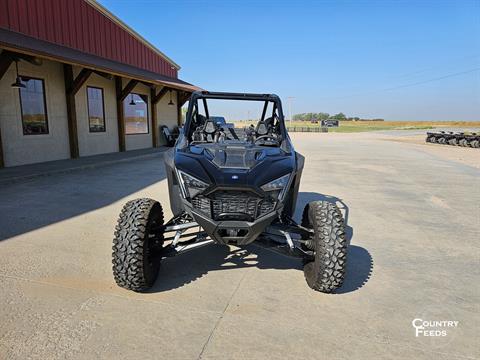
(25, 172)
(413, 224)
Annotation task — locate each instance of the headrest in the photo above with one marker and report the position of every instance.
(269, 121)
(262, 128)
(210, 127)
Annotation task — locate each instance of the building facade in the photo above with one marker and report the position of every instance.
(76, 81)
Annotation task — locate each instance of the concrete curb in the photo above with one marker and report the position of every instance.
(67, 170)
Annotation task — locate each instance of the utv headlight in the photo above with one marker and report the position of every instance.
(191, 186)
(277, 187)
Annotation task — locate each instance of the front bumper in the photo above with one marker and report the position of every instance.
(237, 232)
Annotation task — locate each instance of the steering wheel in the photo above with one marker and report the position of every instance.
(266, 137)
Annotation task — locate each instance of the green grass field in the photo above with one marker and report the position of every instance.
(361, 126)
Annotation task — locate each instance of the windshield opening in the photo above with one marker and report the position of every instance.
(231, 121)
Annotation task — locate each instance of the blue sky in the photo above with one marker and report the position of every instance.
(398, 60)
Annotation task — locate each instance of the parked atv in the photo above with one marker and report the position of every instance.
(230, 186)
(456, 139)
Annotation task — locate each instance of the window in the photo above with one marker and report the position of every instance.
(33, 106)
(136, 114)
(96, 113)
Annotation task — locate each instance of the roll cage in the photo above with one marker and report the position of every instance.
(203, 96)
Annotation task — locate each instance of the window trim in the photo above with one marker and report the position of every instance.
(142, 96)
(103, 109)
(22, 77)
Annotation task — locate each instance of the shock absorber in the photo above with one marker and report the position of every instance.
(310, 244)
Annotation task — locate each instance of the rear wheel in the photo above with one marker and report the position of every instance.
(326, 271)
(137, 244)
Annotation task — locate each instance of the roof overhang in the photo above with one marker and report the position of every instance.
(24, 44)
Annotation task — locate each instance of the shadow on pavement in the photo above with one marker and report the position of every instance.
(186, 268)
(36, 203)
(359, 269)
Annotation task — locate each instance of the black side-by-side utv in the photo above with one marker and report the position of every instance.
(230, 185)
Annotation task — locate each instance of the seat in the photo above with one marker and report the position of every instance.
(262, 128)
(199, 120)
(269, 122)
(168, 136)
(210, 127)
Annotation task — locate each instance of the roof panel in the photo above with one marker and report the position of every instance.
(19, 42)
(83, 25)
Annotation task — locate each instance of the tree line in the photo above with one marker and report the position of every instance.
(325, 116)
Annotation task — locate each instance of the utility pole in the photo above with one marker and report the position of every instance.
(290, 98)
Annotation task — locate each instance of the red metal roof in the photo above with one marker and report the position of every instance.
(85, 26)
(18, 42)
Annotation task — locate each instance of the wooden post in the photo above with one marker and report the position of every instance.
(127, 90)
(179, 111)
(72, 85)
(2, 164)
(71, 111)
(120, 122)
(122, 93)
(5, 62)
(155, 99)
(182, 98)
(79, 80)
(154, 118)
(160, 94)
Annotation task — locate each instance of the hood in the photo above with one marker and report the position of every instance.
(243, 157)
(236, 166)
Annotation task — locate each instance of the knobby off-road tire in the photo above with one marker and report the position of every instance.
(327, 271)
(136, 249)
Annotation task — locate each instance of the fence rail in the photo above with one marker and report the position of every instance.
(306, 129)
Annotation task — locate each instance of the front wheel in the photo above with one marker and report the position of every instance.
(326, 271)
(137, 244)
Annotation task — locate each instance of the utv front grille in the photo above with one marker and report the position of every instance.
(201, 203)
(233, 205)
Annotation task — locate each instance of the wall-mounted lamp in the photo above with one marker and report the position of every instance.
(18, 81)
(171, 103)
(132, 102)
